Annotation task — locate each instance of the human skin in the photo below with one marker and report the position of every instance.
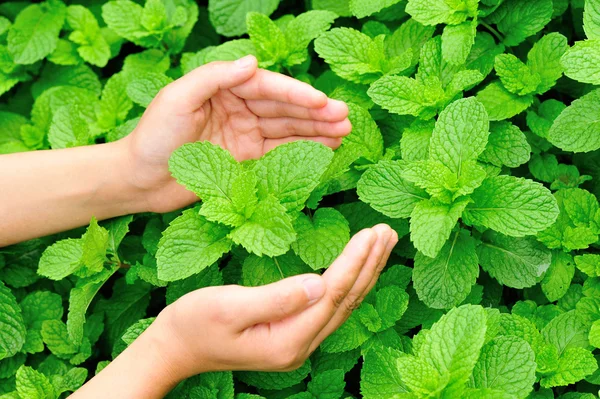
(247, 111)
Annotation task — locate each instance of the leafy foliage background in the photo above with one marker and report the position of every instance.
(476, 137)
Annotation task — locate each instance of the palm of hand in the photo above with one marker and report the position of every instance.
(244, 110)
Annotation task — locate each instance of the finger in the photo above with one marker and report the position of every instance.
(189, 92)
(341, 276)
(278, 300)
(277, 128)
(328, 141)
(388, 251)
(267, 85)
(333, 111)
(360, 289)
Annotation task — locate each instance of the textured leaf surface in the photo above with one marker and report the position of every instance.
(12, 326)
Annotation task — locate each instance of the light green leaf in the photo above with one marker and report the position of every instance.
(581, 62)
(379, 377)
(453, 344)
(189, 245)
(291, 172)
(512, 206)
(68, 128)
(508, 364)
(229, 16)
(591, 19)
(365, 137)
(577, 128)
(142, 90)
(270, 43)
(501, 104)
(457, 41)
(514, 262)
(431, 223)
(460, 134)
(61, 259)
(524, 19)
(12, 326)
(574, 365)
(507, 146)
(34, 35)
(445, 281)
(558, 278)
(544, 58)
(383, 187)
(516, 77)
(32, 384)
(321, 238)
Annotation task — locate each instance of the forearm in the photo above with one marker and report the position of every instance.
(141, 371)
(45, 192)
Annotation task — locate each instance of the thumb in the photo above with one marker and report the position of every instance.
(192, 90)
(278, 300)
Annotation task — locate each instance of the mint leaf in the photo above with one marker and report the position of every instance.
(576, 128)
(446, 280)
(321, 238)
(383, 187)
(460, 134)
(522, 20)
(299, 167)
(269, 231)
(229, 17)
(61, 259)
(514, 262)
(508, 364)
(512, 206)
(431, 224)
(269, 42)
(544, 59)
(12, 326)
(377, 378)
(34, 35)
(507, 145)
(580, 62)
(190, 244)
(501, 104)
(33, 384)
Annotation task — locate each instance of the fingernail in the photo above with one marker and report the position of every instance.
(244, 62)
(314, 287)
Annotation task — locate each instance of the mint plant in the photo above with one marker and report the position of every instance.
(475, 137)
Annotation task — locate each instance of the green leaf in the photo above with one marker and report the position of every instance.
(507, 146)
(12, 326)
(258, 271)
(351, 54)
(574, 365)
(229, 16)
(61, 259)
(95, 244)
(269, 231)
(577, 128)
(516, 77)
(327, 385)
(32, 384)
(567, 330)
(446, 280)
(303, 29)
(206, 169)
(457, 41)
(514, 262)
(460, 134)
(402, 95)
(581, 62)
(524, 19)
(591, 19)
(291, 172)
(453, 344)
(501, 104)
(34, 35)
(365, 137)
(544, 59)
(558, 278)
(124, 17)
(321, 238)
(80, 298)
(440, 11)
(68, 128)
(37, 307)
(269, 41)
(56, 338)
(512, 206)
(589, 264)
(350, 335)
(274, 380)
(378, 377)
(190, 244)
(431, 223)
(383, 187)
(143, 89)
(507, 364)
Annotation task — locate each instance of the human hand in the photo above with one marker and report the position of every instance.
(274, 327)
(245, 110)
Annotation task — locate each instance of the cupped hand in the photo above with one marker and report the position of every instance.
(245, 110)
(274, 327)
